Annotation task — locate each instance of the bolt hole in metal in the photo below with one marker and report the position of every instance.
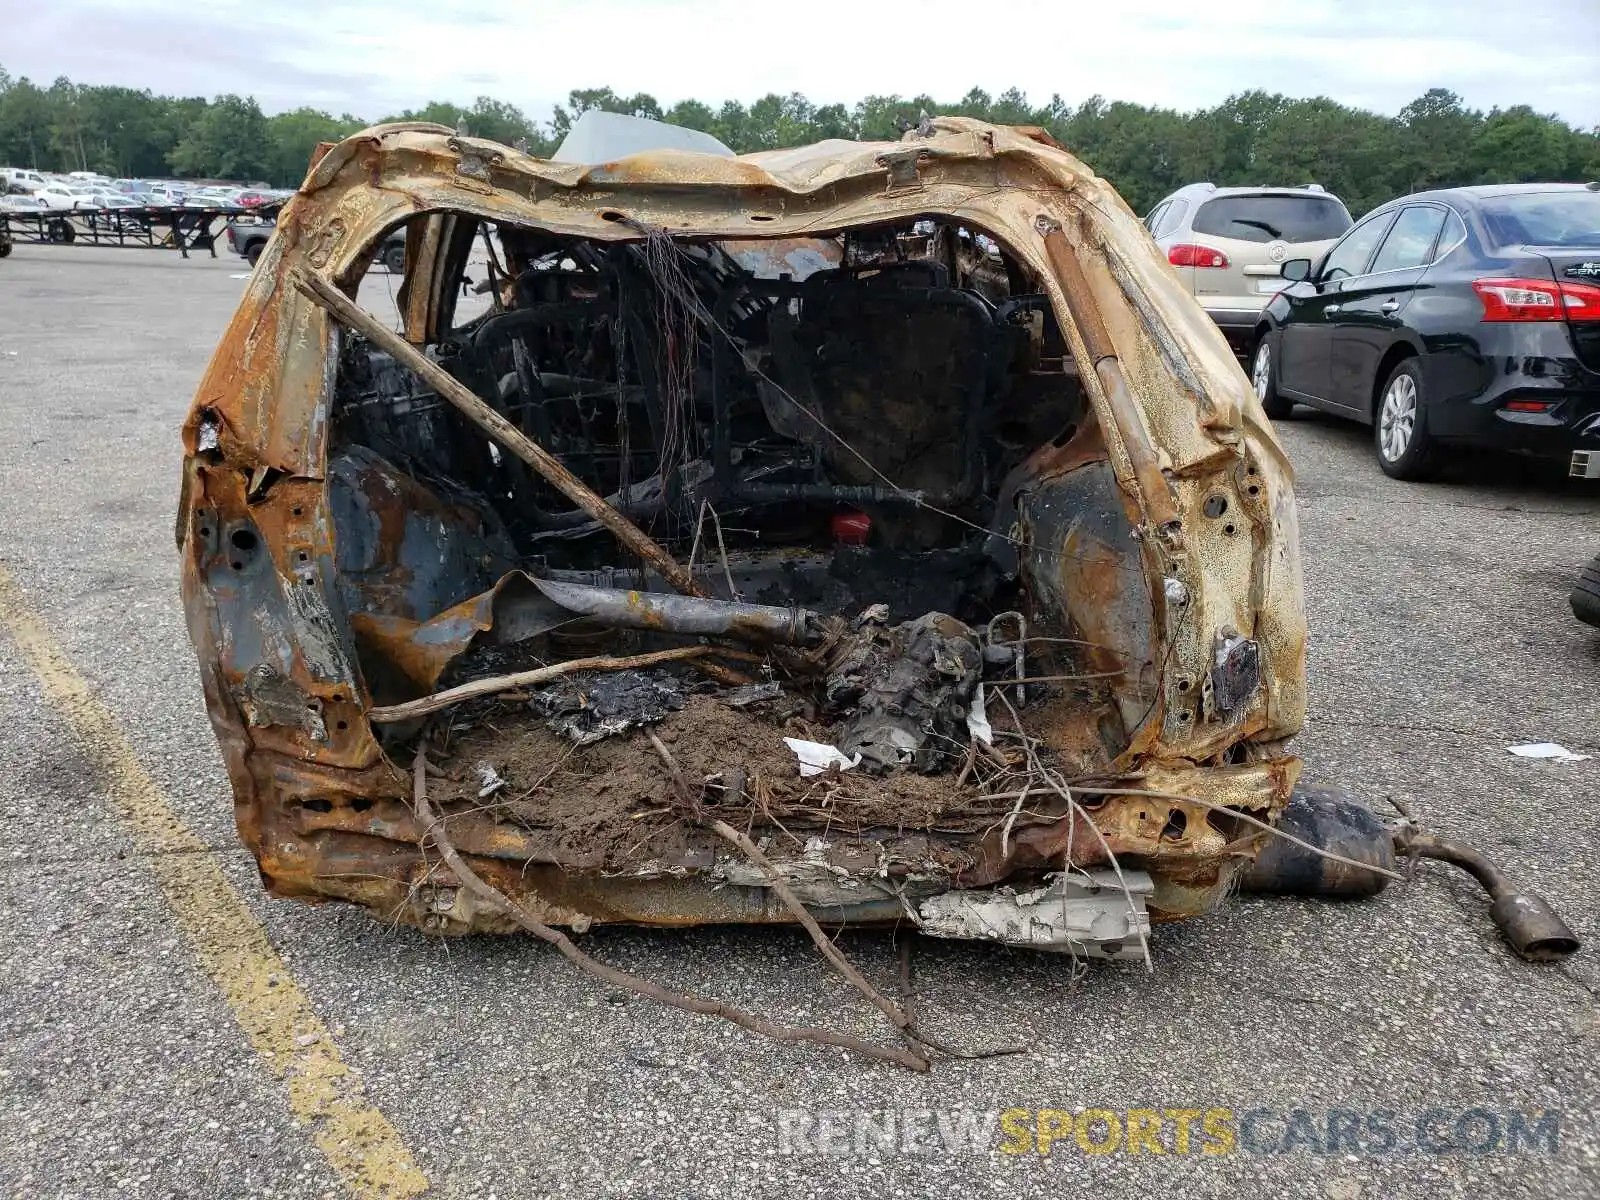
(612, 214)
(762, 217)
(1176, 827)
(1215, 506)
(1398, 418)
(244, 543)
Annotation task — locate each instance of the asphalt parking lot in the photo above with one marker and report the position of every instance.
(1440, 636)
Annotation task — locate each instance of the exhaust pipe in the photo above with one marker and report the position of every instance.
(1330, 819)
(1525, 920)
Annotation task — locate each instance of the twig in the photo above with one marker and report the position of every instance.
(726, 676)
(907, 997)
(1074, 809)
(434, 830)
(687, 796)
(1011, 819)
(790, 901)
(823, 943)
(502, 683)
(722, 546)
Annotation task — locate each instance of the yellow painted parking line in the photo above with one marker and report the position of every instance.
(363, 1148)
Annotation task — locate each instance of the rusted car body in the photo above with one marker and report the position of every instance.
(941, 399)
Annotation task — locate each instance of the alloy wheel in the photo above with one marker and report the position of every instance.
(1261, 371)
(1397, 419)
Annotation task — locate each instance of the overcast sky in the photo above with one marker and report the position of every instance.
(376, 57)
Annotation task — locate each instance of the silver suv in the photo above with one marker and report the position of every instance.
(1226, 244)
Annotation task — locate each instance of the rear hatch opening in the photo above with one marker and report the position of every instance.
(837, 433)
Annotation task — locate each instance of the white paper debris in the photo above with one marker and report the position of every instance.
(490, 778)
(1549, 750)
(817, 757)
(978, 719)
(246, 275)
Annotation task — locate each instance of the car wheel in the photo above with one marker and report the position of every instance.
(61, 230)
(1586, 596)
(395, 259)
(1400, 426)
(5, 247)
(252, 252)
(1264, 378)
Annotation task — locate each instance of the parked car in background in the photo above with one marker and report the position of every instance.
(23, 203)
(1226, 244)
(248, 236)
(58, 196)
(1459, 316)
(22, 177)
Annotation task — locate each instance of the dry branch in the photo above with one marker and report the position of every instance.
(500, 902)
(502, 683)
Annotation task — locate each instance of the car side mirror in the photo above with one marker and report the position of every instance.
(1296, 270)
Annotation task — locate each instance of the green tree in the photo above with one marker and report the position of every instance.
(293, 136)
(67, 124)
(1519, 145)
(1252, 137)
(581, 100)
(691, 114)
(25, 125)
(1434, 144)
(228, 141)
(881, 118)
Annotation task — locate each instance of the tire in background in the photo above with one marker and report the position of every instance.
(1586, 596)
(1419, 457)
(1264, 379)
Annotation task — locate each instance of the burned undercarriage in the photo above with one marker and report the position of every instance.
(888, 504)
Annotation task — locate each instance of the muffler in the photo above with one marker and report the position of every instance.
(1331, 819)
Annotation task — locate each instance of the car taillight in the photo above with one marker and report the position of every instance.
(1537, 300)
(1582, 301)
(1529, 406)
(1185, 255)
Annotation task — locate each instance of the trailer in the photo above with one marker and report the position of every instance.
(155, 227)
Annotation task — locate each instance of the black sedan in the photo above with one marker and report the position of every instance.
(1461, 316)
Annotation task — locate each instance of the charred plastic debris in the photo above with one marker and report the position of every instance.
(925, 560)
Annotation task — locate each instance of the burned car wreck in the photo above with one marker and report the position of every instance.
(888, 503)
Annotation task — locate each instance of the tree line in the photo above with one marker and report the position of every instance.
(1252, 137)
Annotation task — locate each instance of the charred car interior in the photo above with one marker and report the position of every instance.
(888, 504)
